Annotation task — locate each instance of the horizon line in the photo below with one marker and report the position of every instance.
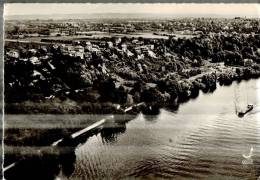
(133, 16)
(172, 9)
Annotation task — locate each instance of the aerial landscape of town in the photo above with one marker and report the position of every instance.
(98, 69)
(158, 62)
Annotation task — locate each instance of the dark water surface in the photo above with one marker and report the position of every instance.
(203, 139)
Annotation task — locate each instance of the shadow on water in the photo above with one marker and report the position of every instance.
(48, 162)
(44, 165)
(173, 107)
(110, 134)
(53, 161)
(208, 90)
(151, 118)
(151, 110)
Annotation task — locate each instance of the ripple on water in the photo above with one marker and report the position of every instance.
(192, 143)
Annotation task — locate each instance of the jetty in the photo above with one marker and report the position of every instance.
(97, 125)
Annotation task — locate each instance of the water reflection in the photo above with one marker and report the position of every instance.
(173, 108)
(110, 134)
(151, 118)
(202, 139)
(151, 110)
(52, 162)
(46, 164)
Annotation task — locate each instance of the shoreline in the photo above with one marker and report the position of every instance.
(190, 88)
(34, 135)
(82, 76)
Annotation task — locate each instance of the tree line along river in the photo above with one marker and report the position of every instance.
(204, 138)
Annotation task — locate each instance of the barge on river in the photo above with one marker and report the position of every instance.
(250, 107)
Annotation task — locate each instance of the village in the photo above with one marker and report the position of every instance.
(131, 90)
(84, 63)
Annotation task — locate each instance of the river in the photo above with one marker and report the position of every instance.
(204, 138)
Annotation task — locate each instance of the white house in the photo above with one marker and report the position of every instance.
(110, 44)
(13, 54)
(79, 48)
(34, 60)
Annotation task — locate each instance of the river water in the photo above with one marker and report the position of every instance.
(202, 139)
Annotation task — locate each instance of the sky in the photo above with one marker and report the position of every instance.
(242, 10)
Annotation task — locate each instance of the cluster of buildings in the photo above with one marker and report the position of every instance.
(85, 49)
(73, 51)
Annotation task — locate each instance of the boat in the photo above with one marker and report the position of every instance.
(249, 108)
(240, 113)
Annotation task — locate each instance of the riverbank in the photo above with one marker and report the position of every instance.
(106, 75)
(165, 93)
(198, 124)
(204, 139)
(31, 133)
